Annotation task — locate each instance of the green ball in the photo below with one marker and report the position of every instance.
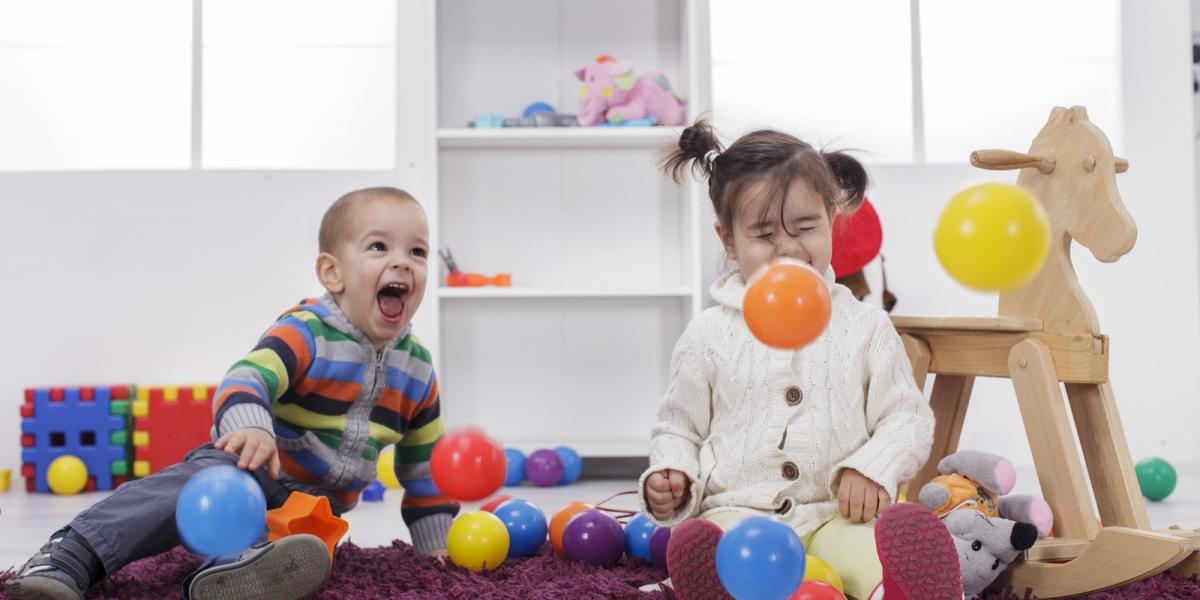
(1156, 477)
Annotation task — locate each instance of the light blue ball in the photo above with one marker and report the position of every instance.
(515, 472)
(638, 532)
(221, 511)
(760, 559)
(526, 525)
(572, 464)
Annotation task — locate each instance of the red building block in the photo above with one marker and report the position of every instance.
(169, 422)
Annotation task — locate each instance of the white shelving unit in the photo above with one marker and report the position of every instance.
(604, 251)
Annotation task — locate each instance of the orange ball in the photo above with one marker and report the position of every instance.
(559, 522)
(787, 305)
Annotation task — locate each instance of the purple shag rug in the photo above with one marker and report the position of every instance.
(397, 572)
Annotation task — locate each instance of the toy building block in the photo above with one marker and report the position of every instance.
(90, 423)
(5, 480)
(374, 492)
(302, 513)
(169, 422)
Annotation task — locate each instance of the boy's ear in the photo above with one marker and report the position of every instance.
(726, 240)
(329, 271)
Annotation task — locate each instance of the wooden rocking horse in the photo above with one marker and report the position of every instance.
(1047, 333)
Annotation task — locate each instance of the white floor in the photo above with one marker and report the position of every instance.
(26, 519)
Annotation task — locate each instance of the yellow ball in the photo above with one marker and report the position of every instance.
(67, 475)
(385, 469)
(817, 569)
(478, 541)
(993, 237)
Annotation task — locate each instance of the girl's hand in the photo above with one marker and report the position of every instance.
(254, 447)
(859, 498)
(666, 492)
(441, 554)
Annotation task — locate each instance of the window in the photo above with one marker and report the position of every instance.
(299, 84)
(841, 73)
(95, 85)
(993, 85)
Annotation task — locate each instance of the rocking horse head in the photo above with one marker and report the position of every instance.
(1071, 169)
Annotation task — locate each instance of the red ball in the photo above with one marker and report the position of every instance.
(494, 503)
(467, 464)
(812, 589)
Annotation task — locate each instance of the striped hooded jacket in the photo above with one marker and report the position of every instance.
(333, 403)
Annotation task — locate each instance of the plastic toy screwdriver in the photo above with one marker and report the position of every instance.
(459, 279)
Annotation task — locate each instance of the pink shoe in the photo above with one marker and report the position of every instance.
(692, 561)
(920, 561)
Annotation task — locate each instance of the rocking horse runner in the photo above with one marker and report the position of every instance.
(1046, 333)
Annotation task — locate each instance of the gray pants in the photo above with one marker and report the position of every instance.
(138, 519)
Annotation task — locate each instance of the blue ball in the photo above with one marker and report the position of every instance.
(638, 532)
(572, 464)
(526, 525)
(515, 472)
(537, 107)
(760, 559)
(221, 511)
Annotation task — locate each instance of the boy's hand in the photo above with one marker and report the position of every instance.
(666, 492)
(254, 447)
(859, 498)
(441, 554)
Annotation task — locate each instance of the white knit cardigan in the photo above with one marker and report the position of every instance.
(771, 430)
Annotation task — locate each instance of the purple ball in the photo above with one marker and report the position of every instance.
(594, 537)
(544, 468)
(658, 547)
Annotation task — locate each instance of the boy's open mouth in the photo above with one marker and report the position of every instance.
(391, 300)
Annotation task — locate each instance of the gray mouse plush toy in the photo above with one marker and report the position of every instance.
(989, 529)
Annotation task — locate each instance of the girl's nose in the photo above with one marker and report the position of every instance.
(789, 247)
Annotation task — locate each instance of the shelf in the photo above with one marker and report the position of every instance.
(532, 292)
(557, 137)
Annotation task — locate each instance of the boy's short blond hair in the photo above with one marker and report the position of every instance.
(336, 221)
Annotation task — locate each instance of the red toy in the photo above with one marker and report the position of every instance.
(169, 422)
(811, 589)
(467, 464)
(457, 278)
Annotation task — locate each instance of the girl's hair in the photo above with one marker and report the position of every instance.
(775, 158)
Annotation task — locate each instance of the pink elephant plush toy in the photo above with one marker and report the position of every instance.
(611, 92)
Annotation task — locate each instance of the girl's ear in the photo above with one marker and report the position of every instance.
(726, 238)
(329, 272)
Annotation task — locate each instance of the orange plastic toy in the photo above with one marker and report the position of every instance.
(559, 522)
(787, 306)
(457, 278)
(302, 513)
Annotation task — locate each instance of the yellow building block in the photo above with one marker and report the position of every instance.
(143, 394)
(200, 392)
(170, 394)
(141, 439)
(141, 408)
(5, 479)
(141, 468)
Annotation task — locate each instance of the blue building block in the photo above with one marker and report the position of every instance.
(83, 422)
(373, 492)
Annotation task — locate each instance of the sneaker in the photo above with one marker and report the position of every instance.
(291, 568)
(692, 561)
(919, 559)
(56, 572)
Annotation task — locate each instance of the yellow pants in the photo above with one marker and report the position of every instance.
(849, 548)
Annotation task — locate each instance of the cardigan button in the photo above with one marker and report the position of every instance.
(785, 507)
(793, 395)
(790, 472)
